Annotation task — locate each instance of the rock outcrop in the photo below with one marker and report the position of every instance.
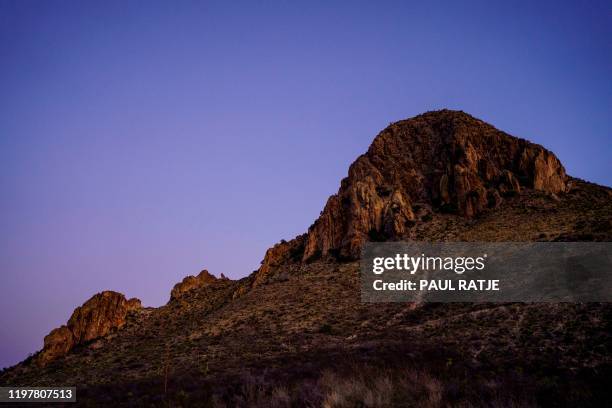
(190, 282)
(96, 318)
(280, 254)
(444, 161)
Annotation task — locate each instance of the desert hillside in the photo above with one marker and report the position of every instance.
(295, 332)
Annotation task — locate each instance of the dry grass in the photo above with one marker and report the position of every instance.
(373, 388)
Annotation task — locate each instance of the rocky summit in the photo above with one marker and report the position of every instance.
(442, 161)
(96, 318)
(295, 333)
(438, 162)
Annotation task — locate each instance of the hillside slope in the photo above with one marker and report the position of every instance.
(295, 332)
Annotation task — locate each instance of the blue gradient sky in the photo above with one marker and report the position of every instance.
(143, 141)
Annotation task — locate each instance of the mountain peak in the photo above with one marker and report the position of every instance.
(441, 176)
(438, 162)
(446, 161)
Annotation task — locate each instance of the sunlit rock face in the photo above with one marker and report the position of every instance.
(96, 318)
(439, 162)
(445, 161)
(204, 278)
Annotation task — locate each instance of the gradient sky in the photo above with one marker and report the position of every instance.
(142, 141)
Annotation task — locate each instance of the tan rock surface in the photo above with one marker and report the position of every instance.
(190, 282)
(445, 160)
(96, 318)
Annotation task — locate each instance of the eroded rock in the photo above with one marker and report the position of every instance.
(446, 160)
(279, 254)
(190, 282)
(96, 318)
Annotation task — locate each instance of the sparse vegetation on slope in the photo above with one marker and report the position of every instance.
(296, 334)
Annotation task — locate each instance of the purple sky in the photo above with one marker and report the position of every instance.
(142, 142)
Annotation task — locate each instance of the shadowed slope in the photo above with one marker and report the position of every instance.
(295, 332)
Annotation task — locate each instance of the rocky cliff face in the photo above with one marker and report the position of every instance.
(103, 313)
(443, 161)
(190, 282)
(97, 317)
(282, 253)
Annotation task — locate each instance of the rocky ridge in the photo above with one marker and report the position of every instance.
(442, 176)
(96, 318)
(189, 283)
(438, 162)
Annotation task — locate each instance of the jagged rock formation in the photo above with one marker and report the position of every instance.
(446, 161)
(190, 282)
(282, 253)
(97, 317)
(443, 161)
(295, 332)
